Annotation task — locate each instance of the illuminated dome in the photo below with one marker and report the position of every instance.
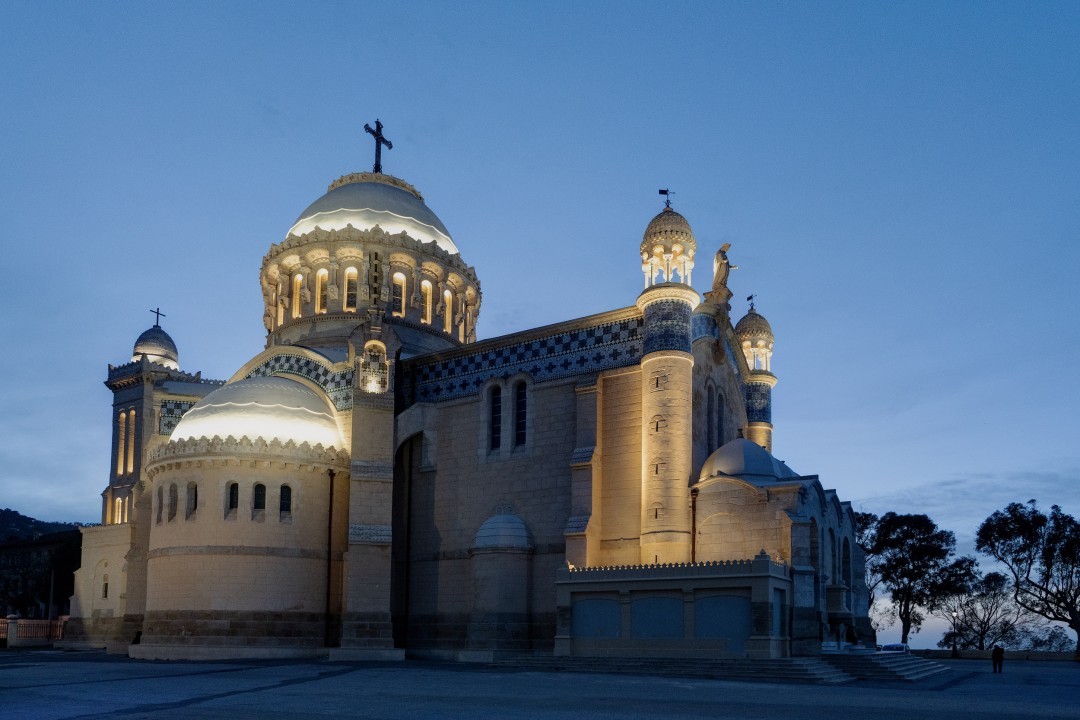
(747, 460)
(158, 347)
(365, 200)
(753, 326)
(668, 249)
(670, 231)
(268, 407)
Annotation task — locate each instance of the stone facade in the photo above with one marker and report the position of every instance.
(377, 481)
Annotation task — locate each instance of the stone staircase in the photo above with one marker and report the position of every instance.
(783, 670)
(889, 667)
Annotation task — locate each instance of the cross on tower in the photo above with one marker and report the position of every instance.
(157, 316)
(379, 142)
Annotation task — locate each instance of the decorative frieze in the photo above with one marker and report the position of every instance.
(337, 385)
(369, 534)
(169, 414)
(561, 354)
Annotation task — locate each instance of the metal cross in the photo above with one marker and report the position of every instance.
(379, 142)
(157, 316)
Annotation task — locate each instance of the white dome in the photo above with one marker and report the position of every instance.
(502, 531)
(365, 200)
(745, 459)
(269, 408)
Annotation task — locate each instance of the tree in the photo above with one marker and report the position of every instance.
(986, 615)
(915, 561)
(1042, 553)
(865, 536)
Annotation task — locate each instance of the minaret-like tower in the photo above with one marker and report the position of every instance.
(756, 337)
(667, 257)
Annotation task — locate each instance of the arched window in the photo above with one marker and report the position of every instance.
(398, 300)
(321, 281)
(520, 413)
(172, 501)
(105, 586)
(131, 442)
(121, 441)
(232, 500)
(192, 500)
(118, 511)
(710, 419)
(127, 504)
(351, 285)
(285, 503)
(280, 307)
(719, 419)
(160, 502)
(297, 286)
(258, 501)
(495, 419)
(425, 299)
(448, 315)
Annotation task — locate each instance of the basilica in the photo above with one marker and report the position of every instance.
(377, 480)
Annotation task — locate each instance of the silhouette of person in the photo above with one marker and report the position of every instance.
(997, 656)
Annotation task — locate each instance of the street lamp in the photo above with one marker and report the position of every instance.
(955, 653)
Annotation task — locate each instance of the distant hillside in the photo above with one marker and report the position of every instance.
(16, 526)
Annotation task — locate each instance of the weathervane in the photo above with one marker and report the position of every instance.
(667, 197)
(750, 299)
(379, 142)
(157, 316)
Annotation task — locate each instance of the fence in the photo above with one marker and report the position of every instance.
(27, 633)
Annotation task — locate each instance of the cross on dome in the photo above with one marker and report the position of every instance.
(379, 142)
(157, 316)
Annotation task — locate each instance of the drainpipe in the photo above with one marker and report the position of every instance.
(693, 525)
(327, 640)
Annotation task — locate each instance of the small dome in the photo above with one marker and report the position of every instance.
(668, 232)
(744, 459)
(753, 326)
(504, 530)
(158, 347)
(267, 407)
(365, 200)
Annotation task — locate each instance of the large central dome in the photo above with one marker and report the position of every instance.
(365, 200)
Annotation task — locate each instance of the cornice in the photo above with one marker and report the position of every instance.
(196, 451)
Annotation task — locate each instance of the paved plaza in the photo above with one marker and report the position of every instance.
(55, 685)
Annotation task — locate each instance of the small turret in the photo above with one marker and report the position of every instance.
(756, 337)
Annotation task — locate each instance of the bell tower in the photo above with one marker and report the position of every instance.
(667, 258)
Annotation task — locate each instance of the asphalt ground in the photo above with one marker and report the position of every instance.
(59, 685)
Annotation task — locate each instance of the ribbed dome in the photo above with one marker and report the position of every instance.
(267, 407)
(753, 326)
(158, 347)
(365, 200)
(668, 230)
(745, 459)
(504, 530)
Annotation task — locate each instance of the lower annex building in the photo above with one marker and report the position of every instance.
(378, 480)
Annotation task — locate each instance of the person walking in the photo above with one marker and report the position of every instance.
(997, 656)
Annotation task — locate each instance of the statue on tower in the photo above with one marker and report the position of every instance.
(722, 267)
(719, 295)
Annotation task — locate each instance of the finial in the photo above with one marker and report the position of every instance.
(157, 316)
(379, 142)
(667, 196)
(750, 299)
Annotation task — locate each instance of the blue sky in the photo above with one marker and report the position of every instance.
(898, 181)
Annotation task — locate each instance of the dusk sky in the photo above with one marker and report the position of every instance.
(900, 184)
